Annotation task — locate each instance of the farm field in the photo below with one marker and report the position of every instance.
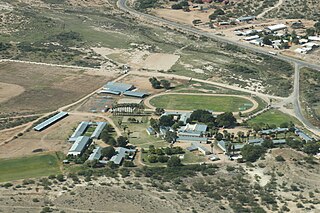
(45, 88)
(29, 167)
(273, 117)
(192, 102)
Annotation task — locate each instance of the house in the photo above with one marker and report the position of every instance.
(258, 42)
(150, 131)
(302, 135)
(80, 130)
(96, 154)
(50, 121)
(163, 131)
(99, 128)
(245, 19)
(121, 153)
(181, 116)
(197, 146)
(254, 37)
(79, 146)
(276, 27)
(193, 133)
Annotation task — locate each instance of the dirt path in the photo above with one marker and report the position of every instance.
(255, 103)
(265, 97)
(261, 15)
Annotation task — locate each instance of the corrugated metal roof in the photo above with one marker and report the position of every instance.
(79, 145)
(118, 87)
(96, 154)
(109, 92)
(135, 94)
(186, 138)
(50, 121)
(98, 129)
(82, 127)
(121, 153)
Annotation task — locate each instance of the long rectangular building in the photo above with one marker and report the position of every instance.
(80, 130)
(50, 121)
(98, 130)
(79, 146)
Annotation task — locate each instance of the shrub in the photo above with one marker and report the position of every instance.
(279, 158)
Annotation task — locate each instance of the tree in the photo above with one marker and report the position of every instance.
(268, 143)
(122, 141)
(202, 116)
(266, 40)
(166, 120)
(170, 136)
(155, 83)
(310, 31)
(317, 27)
(219, 136)
(108, 152)
(92, 163)
(165, 83)
(279, 158)
(174, 161)
(226, 120)
(60, 178)
(163, 159)
(311, 148)
(251, 152)
(159, 111)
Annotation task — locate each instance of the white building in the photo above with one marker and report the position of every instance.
(277, 27)
(79, 146)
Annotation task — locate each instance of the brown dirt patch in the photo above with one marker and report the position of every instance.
(8, 91)
(160, 61)
(46, 87)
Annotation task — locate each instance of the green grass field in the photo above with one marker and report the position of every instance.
(193, 102)
(29, 167)
(273, 117)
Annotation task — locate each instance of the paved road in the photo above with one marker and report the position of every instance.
(294, 98)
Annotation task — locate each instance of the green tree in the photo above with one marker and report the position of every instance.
(122, 141)
(159, 111)
(311, 148)
(166, 84)
(166, 120)
(251, 152)
(108, 152)
(170, 136)
(174, 161)
(226, 119)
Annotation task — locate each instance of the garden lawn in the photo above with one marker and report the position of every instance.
(29, 167)
(273, 117)
(193, 102)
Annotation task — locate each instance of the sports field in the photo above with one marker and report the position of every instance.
(28, 167)
(193, 102)
(273, 117)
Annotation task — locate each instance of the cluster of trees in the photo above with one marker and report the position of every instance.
(216, 14)
(223, 120)
(159, 84)
(180, 5)
(164, 155)
(252, 153)
(313, 30)
(4, 46)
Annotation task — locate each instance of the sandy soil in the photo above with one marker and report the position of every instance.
(51, 139)
(160, 61)
(8, 91)
(183, 17)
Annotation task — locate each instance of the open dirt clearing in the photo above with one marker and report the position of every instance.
(8, 91)
(183, 17)
(46, 87)
(51, 139)
(160, 61)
